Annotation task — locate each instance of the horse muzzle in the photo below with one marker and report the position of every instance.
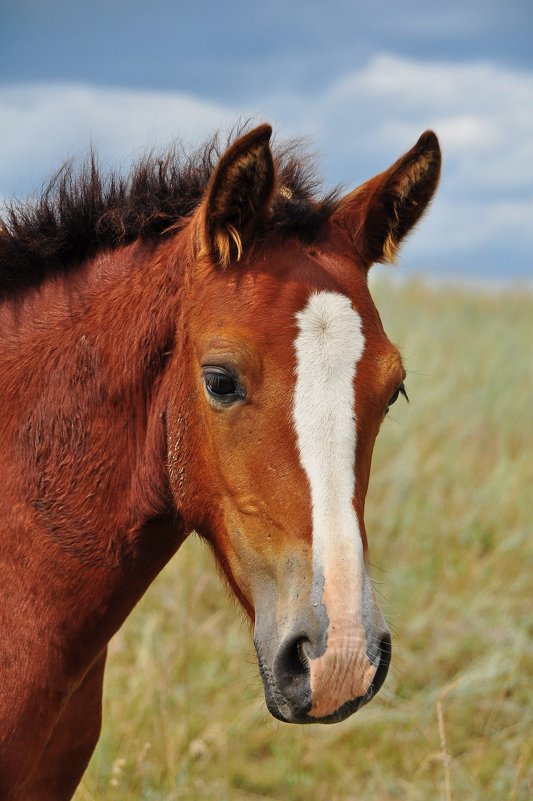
(313, 682)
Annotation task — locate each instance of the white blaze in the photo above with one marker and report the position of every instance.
(328, 346)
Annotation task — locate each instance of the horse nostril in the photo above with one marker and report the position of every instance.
(291, 670)
(385, 650)
(302, 656)
(291, 660)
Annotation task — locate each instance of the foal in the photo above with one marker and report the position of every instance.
(194, 347)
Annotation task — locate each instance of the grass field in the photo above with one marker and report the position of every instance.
(450, 521)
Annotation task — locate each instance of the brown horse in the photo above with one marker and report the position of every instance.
(193, 347)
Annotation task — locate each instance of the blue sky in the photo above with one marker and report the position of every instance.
(359, 80)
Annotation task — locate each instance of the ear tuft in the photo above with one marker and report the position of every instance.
(381, 212)
(238, 196)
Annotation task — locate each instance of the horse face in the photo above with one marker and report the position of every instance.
(289, 377)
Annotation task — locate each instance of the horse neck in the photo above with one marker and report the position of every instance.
(87, 354)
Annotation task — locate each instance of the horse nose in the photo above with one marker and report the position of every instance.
(292, 676)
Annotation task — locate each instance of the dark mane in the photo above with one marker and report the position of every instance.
(82, 210)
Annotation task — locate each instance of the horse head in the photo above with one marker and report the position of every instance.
(280, 379)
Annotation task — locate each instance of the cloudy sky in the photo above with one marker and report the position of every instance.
(359, 79)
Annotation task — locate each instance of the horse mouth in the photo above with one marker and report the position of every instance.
(296, 709)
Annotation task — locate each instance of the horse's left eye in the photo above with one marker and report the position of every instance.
(222, 386)
(396, 394)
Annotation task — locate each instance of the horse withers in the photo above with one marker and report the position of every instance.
(193, 347)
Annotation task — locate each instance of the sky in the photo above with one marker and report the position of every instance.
(358, 80)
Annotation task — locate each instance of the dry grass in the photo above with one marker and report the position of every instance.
(449, 515)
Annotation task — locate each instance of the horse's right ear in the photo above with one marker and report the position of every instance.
(238, 195)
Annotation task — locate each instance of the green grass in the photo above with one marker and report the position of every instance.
(449, 517)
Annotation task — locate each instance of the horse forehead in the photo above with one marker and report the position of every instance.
(264, 300)
(261, 302)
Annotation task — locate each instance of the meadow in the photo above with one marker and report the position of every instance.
(450, 518)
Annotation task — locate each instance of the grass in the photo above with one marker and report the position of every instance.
(449, 518)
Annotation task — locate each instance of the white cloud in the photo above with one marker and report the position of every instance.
(42, 125)
(483, 115)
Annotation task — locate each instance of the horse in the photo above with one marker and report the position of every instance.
(191, 347)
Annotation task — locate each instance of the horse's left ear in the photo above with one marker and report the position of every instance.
(237, 196)
(380, 213)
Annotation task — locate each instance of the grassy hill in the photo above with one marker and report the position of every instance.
(450, 521)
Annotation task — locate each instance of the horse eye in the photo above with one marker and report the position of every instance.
(221, 385)
(396, 394)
